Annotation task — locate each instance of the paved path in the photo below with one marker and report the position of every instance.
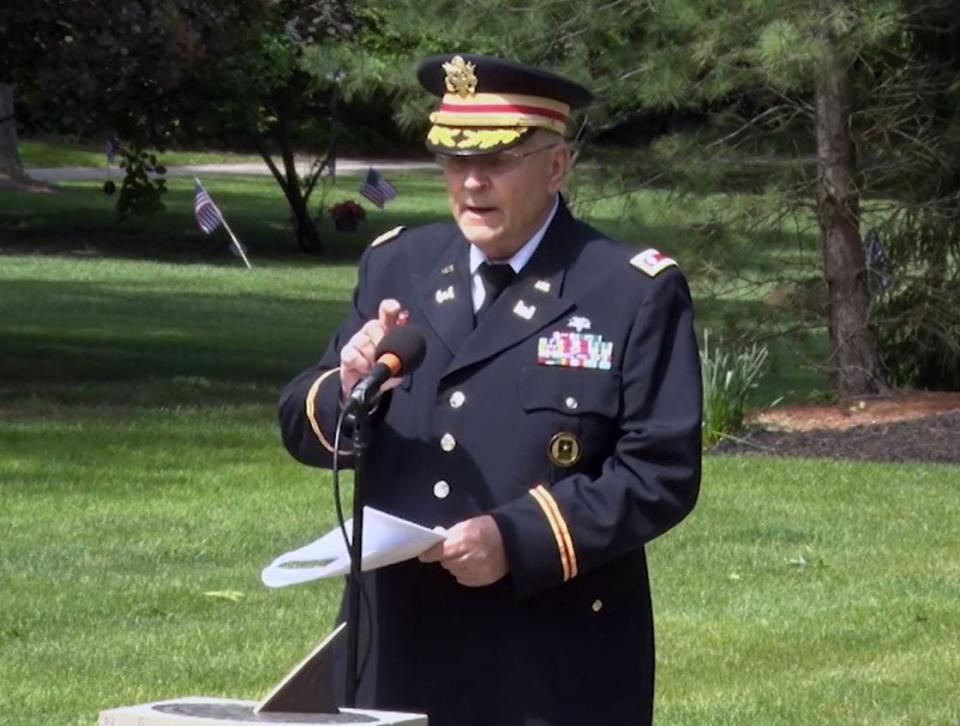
(349, 167)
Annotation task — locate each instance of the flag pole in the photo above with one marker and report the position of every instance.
(236, 244)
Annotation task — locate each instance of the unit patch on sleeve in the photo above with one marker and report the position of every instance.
(652, 262)
(387, 236)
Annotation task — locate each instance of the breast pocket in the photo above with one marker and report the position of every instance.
(571, 391)
(574, 412)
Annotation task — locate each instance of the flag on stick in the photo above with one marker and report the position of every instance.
(377, 189)
(209, 217)
(112, 148)
(208, 213)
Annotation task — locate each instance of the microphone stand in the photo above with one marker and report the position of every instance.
(361, 442)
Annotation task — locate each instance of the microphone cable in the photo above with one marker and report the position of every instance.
(347, 540)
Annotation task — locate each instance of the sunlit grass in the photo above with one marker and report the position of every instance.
(53, 153)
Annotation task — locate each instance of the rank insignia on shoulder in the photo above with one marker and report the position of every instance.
(387, 236)
(652, 262)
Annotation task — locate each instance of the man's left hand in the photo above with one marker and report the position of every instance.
(472, 552)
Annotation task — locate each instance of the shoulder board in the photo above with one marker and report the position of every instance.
(387, 236)
(652, 262)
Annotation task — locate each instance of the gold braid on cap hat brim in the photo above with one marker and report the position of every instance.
(481, 139)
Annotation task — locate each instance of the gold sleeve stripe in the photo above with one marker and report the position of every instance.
(563, 529)
(311, 411)
(537, 493)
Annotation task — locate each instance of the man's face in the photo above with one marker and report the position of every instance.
(500, 200)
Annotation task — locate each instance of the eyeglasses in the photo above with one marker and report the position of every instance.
(502, 162)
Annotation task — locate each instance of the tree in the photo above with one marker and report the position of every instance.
(829, 75)
(268, 92)
(9, 156)
(155, 73)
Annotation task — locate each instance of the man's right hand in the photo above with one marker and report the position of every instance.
(358, 355)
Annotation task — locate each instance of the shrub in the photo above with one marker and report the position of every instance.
(728, 379)
(916, 312)
(143, 184)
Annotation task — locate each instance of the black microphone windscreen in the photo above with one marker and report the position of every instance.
(407, 343)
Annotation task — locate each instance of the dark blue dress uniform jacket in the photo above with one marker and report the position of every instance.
(567, 636)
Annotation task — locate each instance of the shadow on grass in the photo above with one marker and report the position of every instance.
(80, 219)
(88, 344)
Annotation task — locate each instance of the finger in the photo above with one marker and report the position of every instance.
(434, 554)
(373, 331)
(388, 314)
(355, 360)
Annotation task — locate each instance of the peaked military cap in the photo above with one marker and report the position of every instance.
(489, 104)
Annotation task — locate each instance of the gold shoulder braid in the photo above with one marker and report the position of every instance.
(387, 236)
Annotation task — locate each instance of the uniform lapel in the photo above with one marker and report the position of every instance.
(531, 302)
(445, 297)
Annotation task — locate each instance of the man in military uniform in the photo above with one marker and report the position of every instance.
(553, 428)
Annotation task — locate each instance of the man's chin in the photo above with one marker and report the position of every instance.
(479, 235)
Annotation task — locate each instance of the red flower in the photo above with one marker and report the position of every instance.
(347, 210)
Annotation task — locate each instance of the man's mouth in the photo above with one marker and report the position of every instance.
(478, 210)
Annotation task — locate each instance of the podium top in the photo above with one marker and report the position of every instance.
(198, 711)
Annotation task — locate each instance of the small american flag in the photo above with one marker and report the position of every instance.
(880, 273)
(112, 148)
(377, 189)
(208, 215)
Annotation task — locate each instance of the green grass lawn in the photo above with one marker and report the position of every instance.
(56, 152)
(144, 486)
(731, 264)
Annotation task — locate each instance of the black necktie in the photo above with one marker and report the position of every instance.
(495, 280)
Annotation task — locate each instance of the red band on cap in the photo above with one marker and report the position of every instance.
(502, 108)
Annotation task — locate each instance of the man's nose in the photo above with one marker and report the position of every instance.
(475, 179)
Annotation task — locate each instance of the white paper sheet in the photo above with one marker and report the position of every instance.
(386, 541)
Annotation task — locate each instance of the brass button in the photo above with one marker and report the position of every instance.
(571, 403)
(597, 605)
(564, 449)
(441, 490)
(457, 399)
(448, 443)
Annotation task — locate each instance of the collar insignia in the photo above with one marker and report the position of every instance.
(446, 270)
(461, 78)
(443, 295)
(523, 310)
(542, 285)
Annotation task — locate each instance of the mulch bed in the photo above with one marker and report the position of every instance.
(934, 439)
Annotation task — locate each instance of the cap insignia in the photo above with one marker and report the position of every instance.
(461, 78)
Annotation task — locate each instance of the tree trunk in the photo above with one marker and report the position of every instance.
(854, 368)
(10, 163)
(308, 236)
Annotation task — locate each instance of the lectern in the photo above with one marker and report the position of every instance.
(304, 696)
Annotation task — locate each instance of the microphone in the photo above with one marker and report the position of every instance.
(401, 351)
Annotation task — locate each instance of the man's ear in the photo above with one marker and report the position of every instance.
(559, 161)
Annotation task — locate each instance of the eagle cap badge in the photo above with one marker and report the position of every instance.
(460, 78)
